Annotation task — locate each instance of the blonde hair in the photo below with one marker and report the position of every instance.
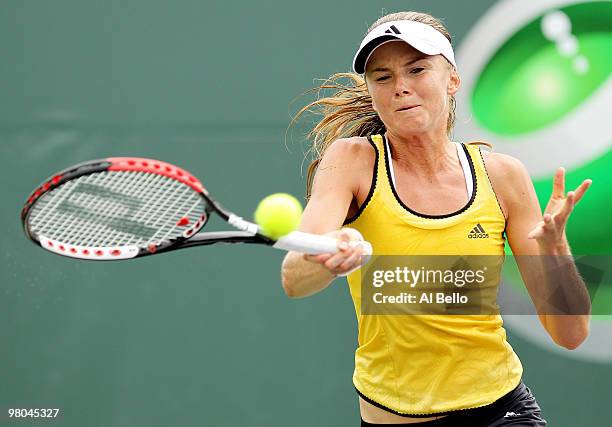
(348, 111)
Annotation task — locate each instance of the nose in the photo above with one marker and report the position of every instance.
(402, 86)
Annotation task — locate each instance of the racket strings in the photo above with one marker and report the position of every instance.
(108, 209)
(73, 227)
(88, 232)
(100, 233)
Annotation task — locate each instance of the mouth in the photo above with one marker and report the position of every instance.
(407, 107)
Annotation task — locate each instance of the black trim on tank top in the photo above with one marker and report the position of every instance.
(422, 215)
(484, 165)
(372, 186)
(378, 405)
(501, 403)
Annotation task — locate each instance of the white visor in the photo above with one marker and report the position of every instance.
(422, 37)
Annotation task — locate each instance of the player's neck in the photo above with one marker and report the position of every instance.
(422, 154)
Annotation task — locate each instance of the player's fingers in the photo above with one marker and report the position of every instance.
(568, 206)
(582, 188)
(332, 263)
(559, 183)
(547, 220)
(537, 231)
(349, 234)
(534, 235)
(338, 259)
(553, 222)
(317, 259)
(351, 262)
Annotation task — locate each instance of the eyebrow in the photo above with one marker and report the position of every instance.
(412, 61)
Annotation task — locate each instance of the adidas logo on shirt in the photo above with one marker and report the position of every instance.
(478, 233)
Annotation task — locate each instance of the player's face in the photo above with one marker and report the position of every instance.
(398, 76)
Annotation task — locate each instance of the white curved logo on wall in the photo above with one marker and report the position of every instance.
(536, 82)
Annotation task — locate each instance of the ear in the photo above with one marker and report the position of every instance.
(454, 81)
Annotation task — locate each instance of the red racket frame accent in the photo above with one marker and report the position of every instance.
(139, 164)
(117, 164)
(42, 189)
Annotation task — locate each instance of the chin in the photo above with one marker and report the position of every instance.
(412, 126)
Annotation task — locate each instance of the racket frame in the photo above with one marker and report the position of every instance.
(249, 231)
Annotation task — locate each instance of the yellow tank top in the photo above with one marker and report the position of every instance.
(430, 364)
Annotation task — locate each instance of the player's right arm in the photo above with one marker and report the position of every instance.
(334, 186)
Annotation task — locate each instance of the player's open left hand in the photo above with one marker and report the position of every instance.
(550, 232)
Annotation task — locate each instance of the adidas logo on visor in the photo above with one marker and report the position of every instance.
(478, 233)
(393, 29)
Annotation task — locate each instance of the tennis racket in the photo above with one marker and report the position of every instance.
(123, 207)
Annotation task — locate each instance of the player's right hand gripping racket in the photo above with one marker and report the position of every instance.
(122, 208)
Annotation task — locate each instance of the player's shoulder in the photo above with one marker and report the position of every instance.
(508, 176)
(350, 147)
(354, 153)
(348, 160)
(503, 165)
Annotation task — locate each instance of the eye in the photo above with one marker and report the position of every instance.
(417, 70)
(383, 78)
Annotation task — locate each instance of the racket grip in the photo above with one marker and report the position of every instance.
(314, 244)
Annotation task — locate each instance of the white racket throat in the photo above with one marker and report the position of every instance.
(243, 225)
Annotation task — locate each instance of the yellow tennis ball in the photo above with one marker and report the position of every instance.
(278, 214)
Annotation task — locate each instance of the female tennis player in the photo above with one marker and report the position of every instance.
(387, 170)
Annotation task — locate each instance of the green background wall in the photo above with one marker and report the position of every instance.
(204, 336)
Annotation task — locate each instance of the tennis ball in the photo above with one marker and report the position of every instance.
(278, 214)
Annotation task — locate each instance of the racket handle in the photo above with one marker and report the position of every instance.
(313, 244)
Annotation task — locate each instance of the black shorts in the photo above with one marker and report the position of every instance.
(517, 409)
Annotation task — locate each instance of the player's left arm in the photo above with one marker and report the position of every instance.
(541, 249)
